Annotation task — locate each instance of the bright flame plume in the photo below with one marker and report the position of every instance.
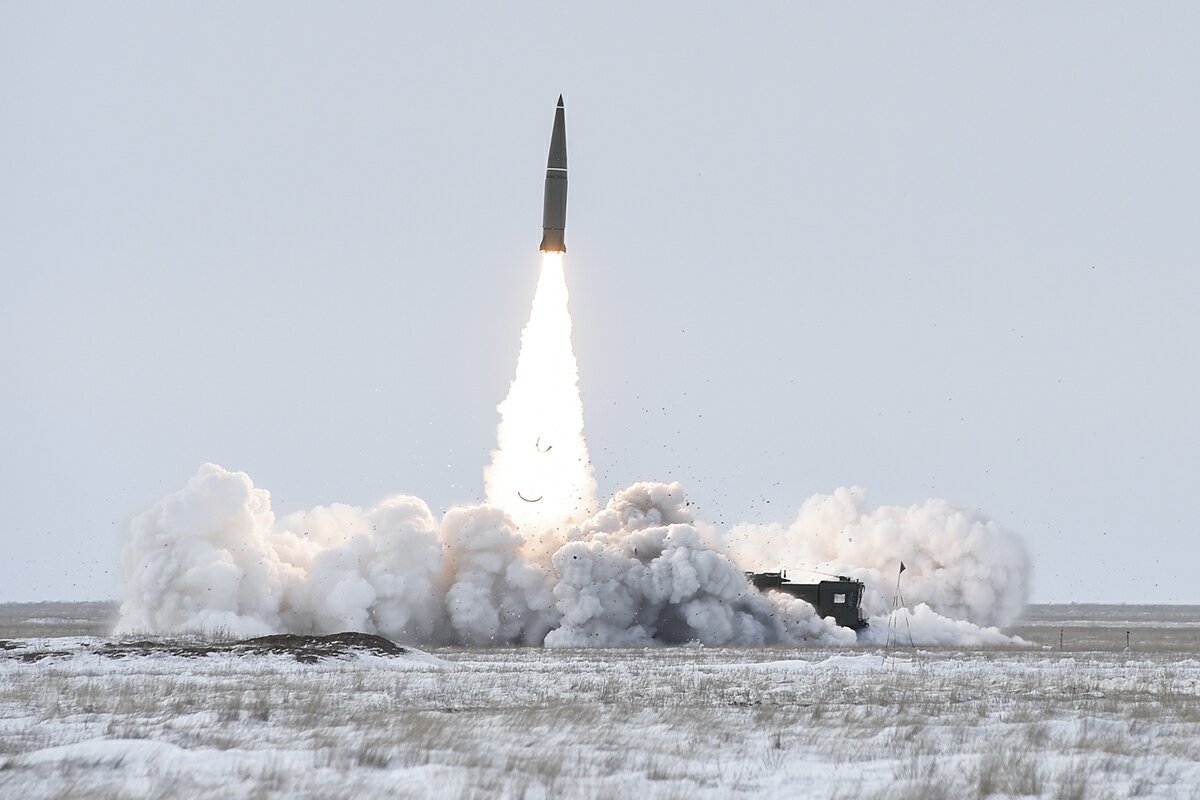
(540, 473)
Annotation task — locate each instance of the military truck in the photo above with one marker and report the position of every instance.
(840, 599)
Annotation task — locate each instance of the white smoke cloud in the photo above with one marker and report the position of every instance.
(201, 559)
(960, 563)
(498, 595)
(372, 570)
(922, 626)
(641, 571)
(212, 557)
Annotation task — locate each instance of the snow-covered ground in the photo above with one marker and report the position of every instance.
(664, 722)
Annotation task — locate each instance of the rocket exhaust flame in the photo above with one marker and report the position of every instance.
(540, 473)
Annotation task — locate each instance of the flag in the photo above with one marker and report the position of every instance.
(902, 567)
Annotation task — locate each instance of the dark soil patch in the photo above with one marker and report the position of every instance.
(168, 647)
(7, 645)
(38, 655)
(306, 649)
(310, 648)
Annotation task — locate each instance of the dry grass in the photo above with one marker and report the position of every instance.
(650, 723)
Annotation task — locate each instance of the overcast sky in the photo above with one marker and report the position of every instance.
(944, 251)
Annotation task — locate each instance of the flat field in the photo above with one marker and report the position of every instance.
(1087, 720)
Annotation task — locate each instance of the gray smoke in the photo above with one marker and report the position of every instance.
(641, 571)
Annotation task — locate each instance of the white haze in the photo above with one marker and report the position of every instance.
(540, 565)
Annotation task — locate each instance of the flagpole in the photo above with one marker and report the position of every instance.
(897, 604)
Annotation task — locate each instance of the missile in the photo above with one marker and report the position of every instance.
(554, 208)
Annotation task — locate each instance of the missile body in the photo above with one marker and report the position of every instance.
(554, 210)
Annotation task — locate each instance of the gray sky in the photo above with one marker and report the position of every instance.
(948, 251)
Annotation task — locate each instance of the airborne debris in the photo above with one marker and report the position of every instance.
(527, 500)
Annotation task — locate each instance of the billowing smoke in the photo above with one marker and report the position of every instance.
(924, 626)
(364, 570)
(211, 557)
(539, 564)
(497, 594)
(201, 559)
(642, 571)
(959, 563)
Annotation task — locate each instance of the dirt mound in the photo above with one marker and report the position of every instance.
(171, 647)
(306, 649)
(312, 648)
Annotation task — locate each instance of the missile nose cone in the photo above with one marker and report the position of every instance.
(560, 103)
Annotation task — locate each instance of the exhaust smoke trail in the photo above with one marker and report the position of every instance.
(540, 473)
